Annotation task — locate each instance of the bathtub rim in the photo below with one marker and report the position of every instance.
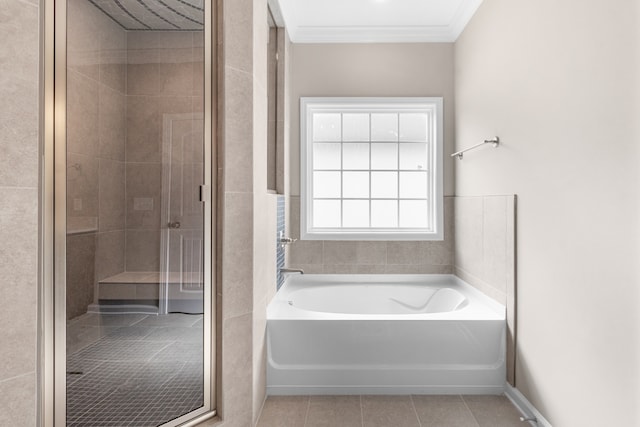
(480, 306)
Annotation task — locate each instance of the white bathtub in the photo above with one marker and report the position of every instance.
(384, 334)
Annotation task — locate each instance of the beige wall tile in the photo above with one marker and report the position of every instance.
(81, 264)
(112, 124)
(113, 54)
(238, 35)
(238, 152)
(82, 185)
(237, 255)
(367, 253)
(83, 47)
(494, 241)
(353, 269)
(469, 240)
(144, 181)
(111, 195)
(18, 401)
(306, 252)
(407, 253)
(237, 371)
(82, 114)
(19, 94)
(418, 269)
(143, 250)
(19, 266)
(110, 253)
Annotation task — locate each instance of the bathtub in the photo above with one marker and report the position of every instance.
(384, 334)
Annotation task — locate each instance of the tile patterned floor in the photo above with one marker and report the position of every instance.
(133, 370)
(389, 411)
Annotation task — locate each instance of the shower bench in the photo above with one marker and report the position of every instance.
(139, 292)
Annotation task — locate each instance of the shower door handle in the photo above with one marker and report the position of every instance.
(175, 224)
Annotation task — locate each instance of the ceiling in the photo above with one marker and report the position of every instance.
(154, 15)
(374, 21)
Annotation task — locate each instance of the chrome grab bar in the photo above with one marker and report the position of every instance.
(495, 141)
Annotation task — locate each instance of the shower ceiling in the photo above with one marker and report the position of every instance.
(158, 15)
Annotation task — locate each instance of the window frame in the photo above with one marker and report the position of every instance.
(311, 105)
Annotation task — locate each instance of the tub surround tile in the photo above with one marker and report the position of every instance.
(418, 269)
(469, 235)
(284, 411)
(306, 252)
(485, 255)
(368, 253)
(352, 269)
(385, 411)
(443, 411)
(372, 257)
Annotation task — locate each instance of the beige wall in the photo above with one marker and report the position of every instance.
(558, 82)
(370, 70)
(18, 211)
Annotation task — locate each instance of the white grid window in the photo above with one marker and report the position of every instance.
(371, 168)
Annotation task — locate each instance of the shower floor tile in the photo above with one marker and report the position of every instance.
(134, 371)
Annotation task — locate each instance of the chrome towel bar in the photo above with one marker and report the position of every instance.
(495, 141)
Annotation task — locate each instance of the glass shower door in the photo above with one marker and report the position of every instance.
(138, 214)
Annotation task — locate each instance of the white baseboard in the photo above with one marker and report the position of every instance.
(525, 407)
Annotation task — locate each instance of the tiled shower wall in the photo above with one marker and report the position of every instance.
(18, 211)
(164, 77)
(371, 257)
(120, 84)
(96, 86)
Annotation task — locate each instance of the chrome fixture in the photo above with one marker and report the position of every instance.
(291, 270)
(284, 241)
(495, 141)
(175, 224)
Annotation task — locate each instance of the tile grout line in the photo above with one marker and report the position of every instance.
(361, 412)
(469, 409)
(415, 411)
(306, 414)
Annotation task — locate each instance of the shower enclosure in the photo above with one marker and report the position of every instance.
(131, 201)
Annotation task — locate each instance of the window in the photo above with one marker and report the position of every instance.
(371, 168)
